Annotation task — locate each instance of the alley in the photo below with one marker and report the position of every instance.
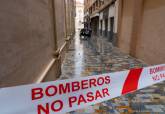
(45, 65)
(84, 59)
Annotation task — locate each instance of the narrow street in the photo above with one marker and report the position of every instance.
(66, 57)
(84, 59)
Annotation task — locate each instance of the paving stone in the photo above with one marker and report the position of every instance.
(83, 60)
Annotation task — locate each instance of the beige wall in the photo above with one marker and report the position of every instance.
(126, 26)
(151, 43)
(70, 16)
(25, 40)
(60, 22)
(31, 31)
(142, 30)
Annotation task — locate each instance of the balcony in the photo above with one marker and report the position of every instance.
(96, 6)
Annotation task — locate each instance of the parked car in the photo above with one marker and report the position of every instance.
(86, 33)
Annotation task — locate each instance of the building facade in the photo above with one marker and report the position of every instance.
(103, 15)
(79, 15)
(135, 26)
(35, 35)
(142, 29)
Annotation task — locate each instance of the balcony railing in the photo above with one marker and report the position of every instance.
(97, 5)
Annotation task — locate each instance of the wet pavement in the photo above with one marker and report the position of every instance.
(84, 59)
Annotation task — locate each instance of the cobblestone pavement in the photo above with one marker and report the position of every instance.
(83, 59)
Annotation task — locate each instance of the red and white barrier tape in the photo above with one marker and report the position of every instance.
(62, 96)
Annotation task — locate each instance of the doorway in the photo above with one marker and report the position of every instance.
(106, 28)
(111, 29)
